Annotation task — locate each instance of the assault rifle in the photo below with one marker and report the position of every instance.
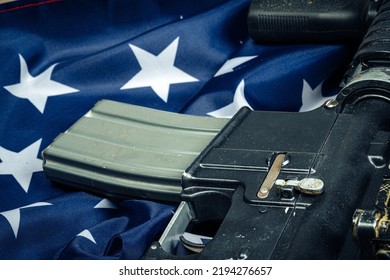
(273, 185)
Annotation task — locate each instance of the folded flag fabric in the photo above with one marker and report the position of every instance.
(59, 57)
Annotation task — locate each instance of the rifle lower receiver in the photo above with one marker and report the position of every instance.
(334, 147)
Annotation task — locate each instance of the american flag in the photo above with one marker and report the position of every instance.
(59, 57)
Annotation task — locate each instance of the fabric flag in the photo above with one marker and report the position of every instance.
(59, 57)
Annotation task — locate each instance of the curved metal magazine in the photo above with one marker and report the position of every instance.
(124, 150)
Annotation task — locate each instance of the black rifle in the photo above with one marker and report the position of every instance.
(273, 185)
(286, 185)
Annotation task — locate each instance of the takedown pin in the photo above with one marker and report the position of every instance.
(307, 185)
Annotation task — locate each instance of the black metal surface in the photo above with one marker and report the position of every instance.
(221, 185)
(304, 227)
(281, 21)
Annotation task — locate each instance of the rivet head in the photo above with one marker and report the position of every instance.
(331, 103)
(263, 209)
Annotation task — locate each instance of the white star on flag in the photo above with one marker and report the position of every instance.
(13, 216)
(158, 71)
(87, 234)
(230, 110)
(37, 89)
(105, 204)
(21, 165)
(312, 98)
(233, 63)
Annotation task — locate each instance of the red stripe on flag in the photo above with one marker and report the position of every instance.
(30, 5)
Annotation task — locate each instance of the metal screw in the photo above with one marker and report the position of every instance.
(384, 227)
(331, 103)
(263, 209)
(264, 190)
